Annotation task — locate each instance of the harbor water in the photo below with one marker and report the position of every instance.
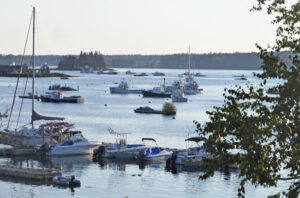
(101, 111)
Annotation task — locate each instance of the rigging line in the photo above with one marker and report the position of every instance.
(22, 100)
(19, 74)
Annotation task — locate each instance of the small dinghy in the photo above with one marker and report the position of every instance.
(69, 181)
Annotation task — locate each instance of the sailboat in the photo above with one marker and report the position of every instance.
(31, 136)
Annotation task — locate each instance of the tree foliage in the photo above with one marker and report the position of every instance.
(94, 60)
(265, 127)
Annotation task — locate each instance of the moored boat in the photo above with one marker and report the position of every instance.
(153, 154)
(178, 96)
(59, 97)
(74, 144)
(123, 88)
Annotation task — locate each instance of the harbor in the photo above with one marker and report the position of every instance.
(103, 110)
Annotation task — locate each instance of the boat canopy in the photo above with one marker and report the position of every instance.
(196, 139)
(35, 116)
(151, 139)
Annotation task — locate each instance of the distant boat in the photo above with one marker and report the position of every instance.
(61, 88)
(64, 78)
(156, 94)
(178, 96)
(199, 75)
(59, 97)
(123, 88)
(29, 96)
(128, 72)
(109, 72)
(241, 78)
(147, 109)
(86, 70)
(158, 74)
(141, 74)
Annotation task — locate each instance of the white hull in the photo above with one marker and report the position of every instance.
(81, 148)
(25, 138)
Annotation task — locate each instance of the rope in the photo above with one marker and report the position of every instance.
(19, 74)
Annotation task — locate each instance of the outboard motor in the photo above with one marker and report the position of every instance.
(99, 152)
(44, 148)
(73, 182)
(141, 156)
(171, 161)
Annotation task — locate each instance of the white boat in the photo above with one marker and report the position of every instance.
(27, 137)
(178, 96)
(123, 88)
(76, 144)
(120, 149)
(153, 154)
(192, 156)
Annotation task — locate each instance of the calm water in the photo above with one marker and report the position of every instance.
(102, 110)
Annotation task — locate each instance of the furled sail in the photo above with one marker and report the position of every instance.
(36, 116)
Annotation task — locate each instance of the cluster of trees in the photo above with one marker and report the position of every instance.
(94, 60)
(264, 129)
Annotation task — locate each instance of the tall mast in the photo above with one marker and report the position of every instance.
(33, 62)
(189, 60)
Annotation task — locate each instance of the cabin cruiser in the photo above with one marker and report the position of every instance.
(129, 72)
(120, 149)
(192, 156)
(75, 144)
(59, 97)
(153, 154)
(123, 88)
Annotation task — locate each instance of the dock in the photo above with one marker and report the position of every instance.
(9, 152)
(28, 173)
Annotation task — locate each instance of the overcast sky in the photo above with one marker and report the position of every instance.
(135, 26)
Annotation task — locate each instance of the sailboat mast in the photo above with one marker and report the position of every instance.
(189, 60)
(33, 62)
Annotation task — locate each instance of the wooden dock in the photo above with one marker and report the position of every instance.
(8, 152)
(28, 173)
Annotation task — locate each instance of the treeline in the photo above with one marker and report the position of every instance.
(249, 61)
(94, 60)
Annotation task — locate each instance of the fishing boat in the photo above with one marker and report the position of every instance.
(29, 96)
(120, 149)
(157, 92)
(58, 87)
(178, 96)
(59, 97)
(27, 137)
(123, 88)
(153, 154)
(192, 156)
(74, 144)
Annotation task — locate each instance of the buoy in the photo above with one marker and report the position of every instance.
(133, 175)
(173, 117)
(149, 102)
(105, 105)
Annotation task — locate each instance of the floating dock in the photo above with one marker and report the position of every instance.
(28, 173)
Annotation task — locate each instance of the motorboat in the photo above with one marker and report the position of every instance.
(147, 109)
(75, 144)
(123, 88)
(153, 154)
(120, 149)
(68, 181)
(141, 74)
(192, 156)
(108, 72)
(59, 97)
(178, 96)
(158, 74)
(129, 72)
(199, 75)
(62, 88)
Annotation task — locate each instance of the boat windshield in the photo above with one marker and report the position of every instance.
(79, 138)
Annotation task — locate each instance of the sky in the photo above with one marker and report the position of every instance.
(135, 26)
